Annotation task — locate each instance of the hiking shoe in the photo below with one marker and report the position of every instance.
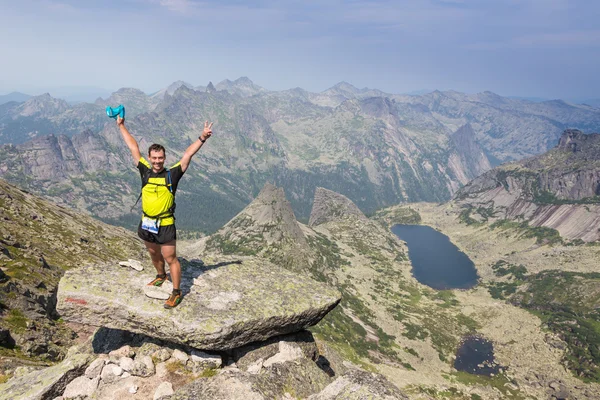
(173, 300)
(158, 281)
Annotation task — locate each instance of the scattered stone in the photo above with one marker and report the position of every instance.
(163, 354)
(125, 351)
(133, 389)
(81, 387)
(206, 360)
(126, 363)
(180, 356)
(143, 367)
(95, 368)
(163, 390)
(135, 264)
(248, 355)
(148, 348)
(111, 373)
(161, 370)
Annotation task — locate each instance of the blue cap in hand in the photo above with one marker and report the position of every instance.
(117, 111)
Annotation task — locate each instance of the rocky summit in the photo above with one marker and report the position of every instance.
(330, 206)
(228, 302)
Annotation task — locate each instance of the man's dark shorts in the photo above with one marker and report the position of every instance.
(165, 234)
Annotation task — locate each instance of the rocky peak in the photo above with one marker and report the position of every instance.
(269, 215)
(331, 206)
(242, 86)
(43, 106)
(210, 88)
(345, 87)
(176, 85)
(572, 139)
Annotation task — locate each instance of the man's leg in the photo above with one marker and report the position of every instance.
(156, 256)
(169, 252)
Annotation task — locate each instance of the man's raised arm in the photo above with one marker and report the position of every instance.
(129, 141)
(194, 147)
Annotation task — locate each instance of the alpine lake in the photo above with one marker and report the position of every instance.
(439, 264)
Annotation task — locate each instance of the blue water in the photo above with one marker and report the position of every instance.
(436, 261)
(476, 356)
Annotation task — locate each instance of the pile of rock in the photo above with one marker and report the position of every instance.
(138, 371)
(283, 367)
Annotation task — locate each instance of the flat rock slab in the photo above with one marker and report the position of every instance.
(227, 303)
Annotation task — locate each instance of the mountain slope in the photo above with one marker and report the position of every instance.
(38, 242)
(375, 148)
(559, 189)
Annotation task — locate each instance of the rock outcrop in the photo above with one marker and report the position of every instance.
(266, 227)
(559, 189)
(468, 160)
(228, 302)
(46, 383)
(116, 364)
(331, 206)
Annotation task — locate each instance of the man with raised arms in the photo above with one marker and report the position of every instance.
(157, 228)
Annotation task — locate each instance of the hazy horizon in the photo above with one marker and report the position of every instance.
(529, 48)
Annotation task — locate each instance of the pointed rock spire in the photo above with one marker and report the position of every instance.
(267, 224)
(332, 206)
(210, 88)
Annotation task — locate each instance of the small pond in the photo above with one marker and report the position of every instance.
(476, 356)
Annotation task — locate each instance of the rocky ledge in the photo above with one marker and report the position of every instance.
(227, 302)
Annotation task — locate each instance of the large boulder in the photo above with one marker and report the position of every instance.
(227, 302)
(46, 383)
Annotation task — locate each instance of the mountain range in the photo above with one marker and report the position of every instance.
(376, 148)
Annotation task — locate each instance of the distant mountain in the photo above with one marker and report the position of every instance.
(592, 102)
(375, 148)
(14, 96)
(135, 101)
(45, 115)
(241, 86)
(171, 89)
(559, 189)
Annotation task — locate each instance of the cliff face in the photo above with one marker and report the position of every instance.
(467, 160)
(558, 189)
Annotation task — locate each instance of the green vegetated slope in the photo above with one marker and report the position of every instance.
(566, 302)
(38, 242)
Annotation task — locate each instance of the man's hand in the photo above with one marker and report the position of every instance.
(207, 132)
(120, 121)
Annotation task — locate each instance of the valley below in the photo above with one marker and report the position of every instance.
(531, 347)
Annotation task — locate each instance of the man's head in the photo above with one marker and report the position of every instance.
(156, 156)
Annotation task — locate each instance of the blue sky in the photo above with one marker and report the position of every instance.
(538, 48)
